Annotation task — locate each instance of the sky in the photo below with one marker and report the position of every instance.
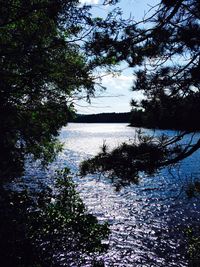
(118, 94)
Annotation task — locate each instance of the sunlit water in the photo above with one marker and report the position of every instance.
(148, 220)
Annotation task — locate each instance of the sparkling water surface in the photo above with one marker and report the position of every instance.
(147, 221)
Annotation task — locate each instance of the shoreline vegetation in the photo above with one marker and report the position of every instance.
(140, 118)
(102, 118)
(43, 227)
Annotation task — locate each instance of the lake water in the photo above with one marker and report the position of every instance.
(148, 220)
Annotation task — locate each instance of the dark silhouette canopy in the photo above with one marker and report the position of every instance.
(167, 55)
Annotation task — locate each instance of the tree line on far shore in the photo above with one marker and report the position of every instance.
(163, 112)
(102, 118)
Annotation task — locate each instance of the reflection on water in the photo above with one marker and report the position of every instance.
(148, 220)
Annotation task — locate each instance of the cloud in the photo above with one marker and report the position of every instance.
(117, 82)
(90, 2)
(116, 98)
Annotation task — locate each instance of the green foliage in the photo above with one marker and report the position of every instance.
(65, 218)
(49, 50)
(36, 229)
(40, 70)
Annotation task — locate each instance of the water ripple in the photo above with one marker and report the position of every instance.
(148, 220)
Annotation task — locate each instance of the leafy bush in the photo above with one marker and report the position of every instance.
(50, 228)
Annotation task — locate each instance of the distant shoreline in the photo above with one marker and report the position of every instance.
(123, 117)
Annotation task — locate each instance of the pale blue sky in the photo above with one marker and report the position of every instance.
(118, 94)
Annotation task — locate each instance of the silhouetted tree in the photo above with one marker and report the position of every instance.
(43, 67)
(168, 55)
(167, 112)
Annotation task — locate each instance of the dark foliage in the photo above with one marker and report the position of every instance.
(124, 164)
(102, 117)
(168, 112)
(39, 70)
(43, 67)
(166, 53)
(193, 236)
(45, 228)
